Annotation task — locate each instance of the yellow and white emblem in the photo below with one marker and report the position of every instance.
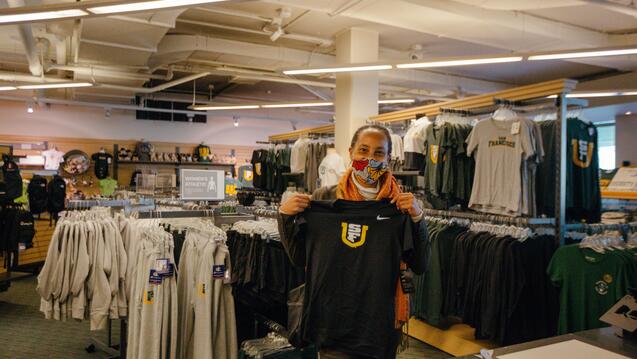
(353, 235)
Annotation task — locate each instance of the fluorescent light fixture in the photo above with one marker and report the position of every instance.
(630, 93)
(328, 70)
(55, 85)
(628, 113)
(44, 15)
(289, 105)
(147, 5)
(593, 94)
(398, 100)
(8, 88)
(465, 62)
(229, 107)
(581, 54)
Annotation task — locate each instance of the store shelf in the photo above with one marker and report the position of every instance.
(619, 195)
(178, 164)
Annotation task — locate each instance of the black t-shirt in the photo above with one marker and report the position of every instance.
(353, 253)
(259, 158)
(102, 160)
(583, 194)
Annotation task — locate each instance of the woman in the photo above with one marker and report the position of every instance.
(368, 179)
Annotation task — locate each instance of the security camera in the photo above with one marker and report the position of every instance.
(415, 52)
(414, 56)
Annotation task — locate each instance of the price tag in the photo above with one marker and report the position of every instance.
(219, 271)
(161, 265)
(515, 128)
(154, 278)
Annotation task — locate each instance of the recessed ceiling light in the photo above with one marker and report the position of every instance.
(581, 54)
(222, 107)
(328, 70)
(460, 62)
(44, 15)
(398, 100)
(290, 105)
(55, 85)
(147, 5)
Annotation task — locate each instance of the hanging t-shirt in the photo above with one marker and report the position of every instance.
(298, 155)
(245, 176)
(107, 187)
(331, 169)
(259, 158)
(590, 284)
(52, 159)
(353, 253)
(435, 157)
(414, 144)
(203, 153)
(499, 148)
(583, 194)
(101, 162)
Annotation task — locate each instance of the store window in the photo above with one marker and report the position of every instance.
(606, 145)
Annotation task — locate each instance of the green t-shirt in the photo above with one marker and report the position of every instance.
(590, 284)
(434, 159)
(108, 186)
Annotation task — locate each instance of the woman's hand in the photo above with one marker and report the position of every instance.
(406, 202)
(295, 204)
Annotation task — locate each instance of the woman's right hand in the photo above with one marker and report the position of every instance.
(295, 204)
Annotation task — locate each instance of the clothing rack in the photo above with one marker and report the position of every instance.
(601, 227)
(491, 218)
(87, 204)
(176, 214)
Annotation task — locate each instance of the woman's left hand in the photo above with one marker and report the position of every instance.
(406, 202)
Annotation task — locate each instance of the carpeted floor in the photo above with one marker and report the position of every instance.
(25, 334)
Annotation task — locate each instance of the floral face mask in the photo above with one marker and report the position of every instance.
(369, 170)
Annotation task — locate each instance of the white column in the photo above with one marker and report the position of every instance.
(356, 92)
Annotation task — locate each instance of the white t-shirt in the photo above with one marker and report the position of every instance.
(331, 169)
(499, 147)
(52, 159)
(298, 155)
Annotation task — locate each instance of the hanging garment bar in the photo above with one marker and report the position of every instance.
(175, 214)
(519, 221)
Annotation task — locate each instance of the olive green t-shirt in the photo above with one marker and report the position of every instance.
(590, 284)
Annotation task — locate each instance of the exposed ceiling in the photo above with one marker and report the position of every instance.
(231, 42)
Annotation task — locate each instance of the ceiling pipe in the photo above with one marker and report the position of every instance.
(156, 88)
(28, 41)
(264, 32)
(115, 73)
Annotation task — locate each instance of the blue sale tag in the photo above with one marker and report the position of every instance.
(219, 271)
(155, 277)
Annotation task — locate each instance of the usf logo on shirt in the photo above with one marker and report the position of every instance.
(433, 153)
(582, 152)
(353, 235)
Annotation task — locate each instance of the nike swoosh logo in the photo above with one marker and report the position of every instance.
(379, 218)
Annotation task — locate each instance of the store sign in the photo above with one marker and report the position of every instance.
(202, 185)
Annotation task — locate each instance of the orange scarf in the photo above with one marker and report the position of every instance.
(347, 190)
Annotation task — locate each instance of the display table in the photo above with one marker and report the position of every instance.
(604, 338)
